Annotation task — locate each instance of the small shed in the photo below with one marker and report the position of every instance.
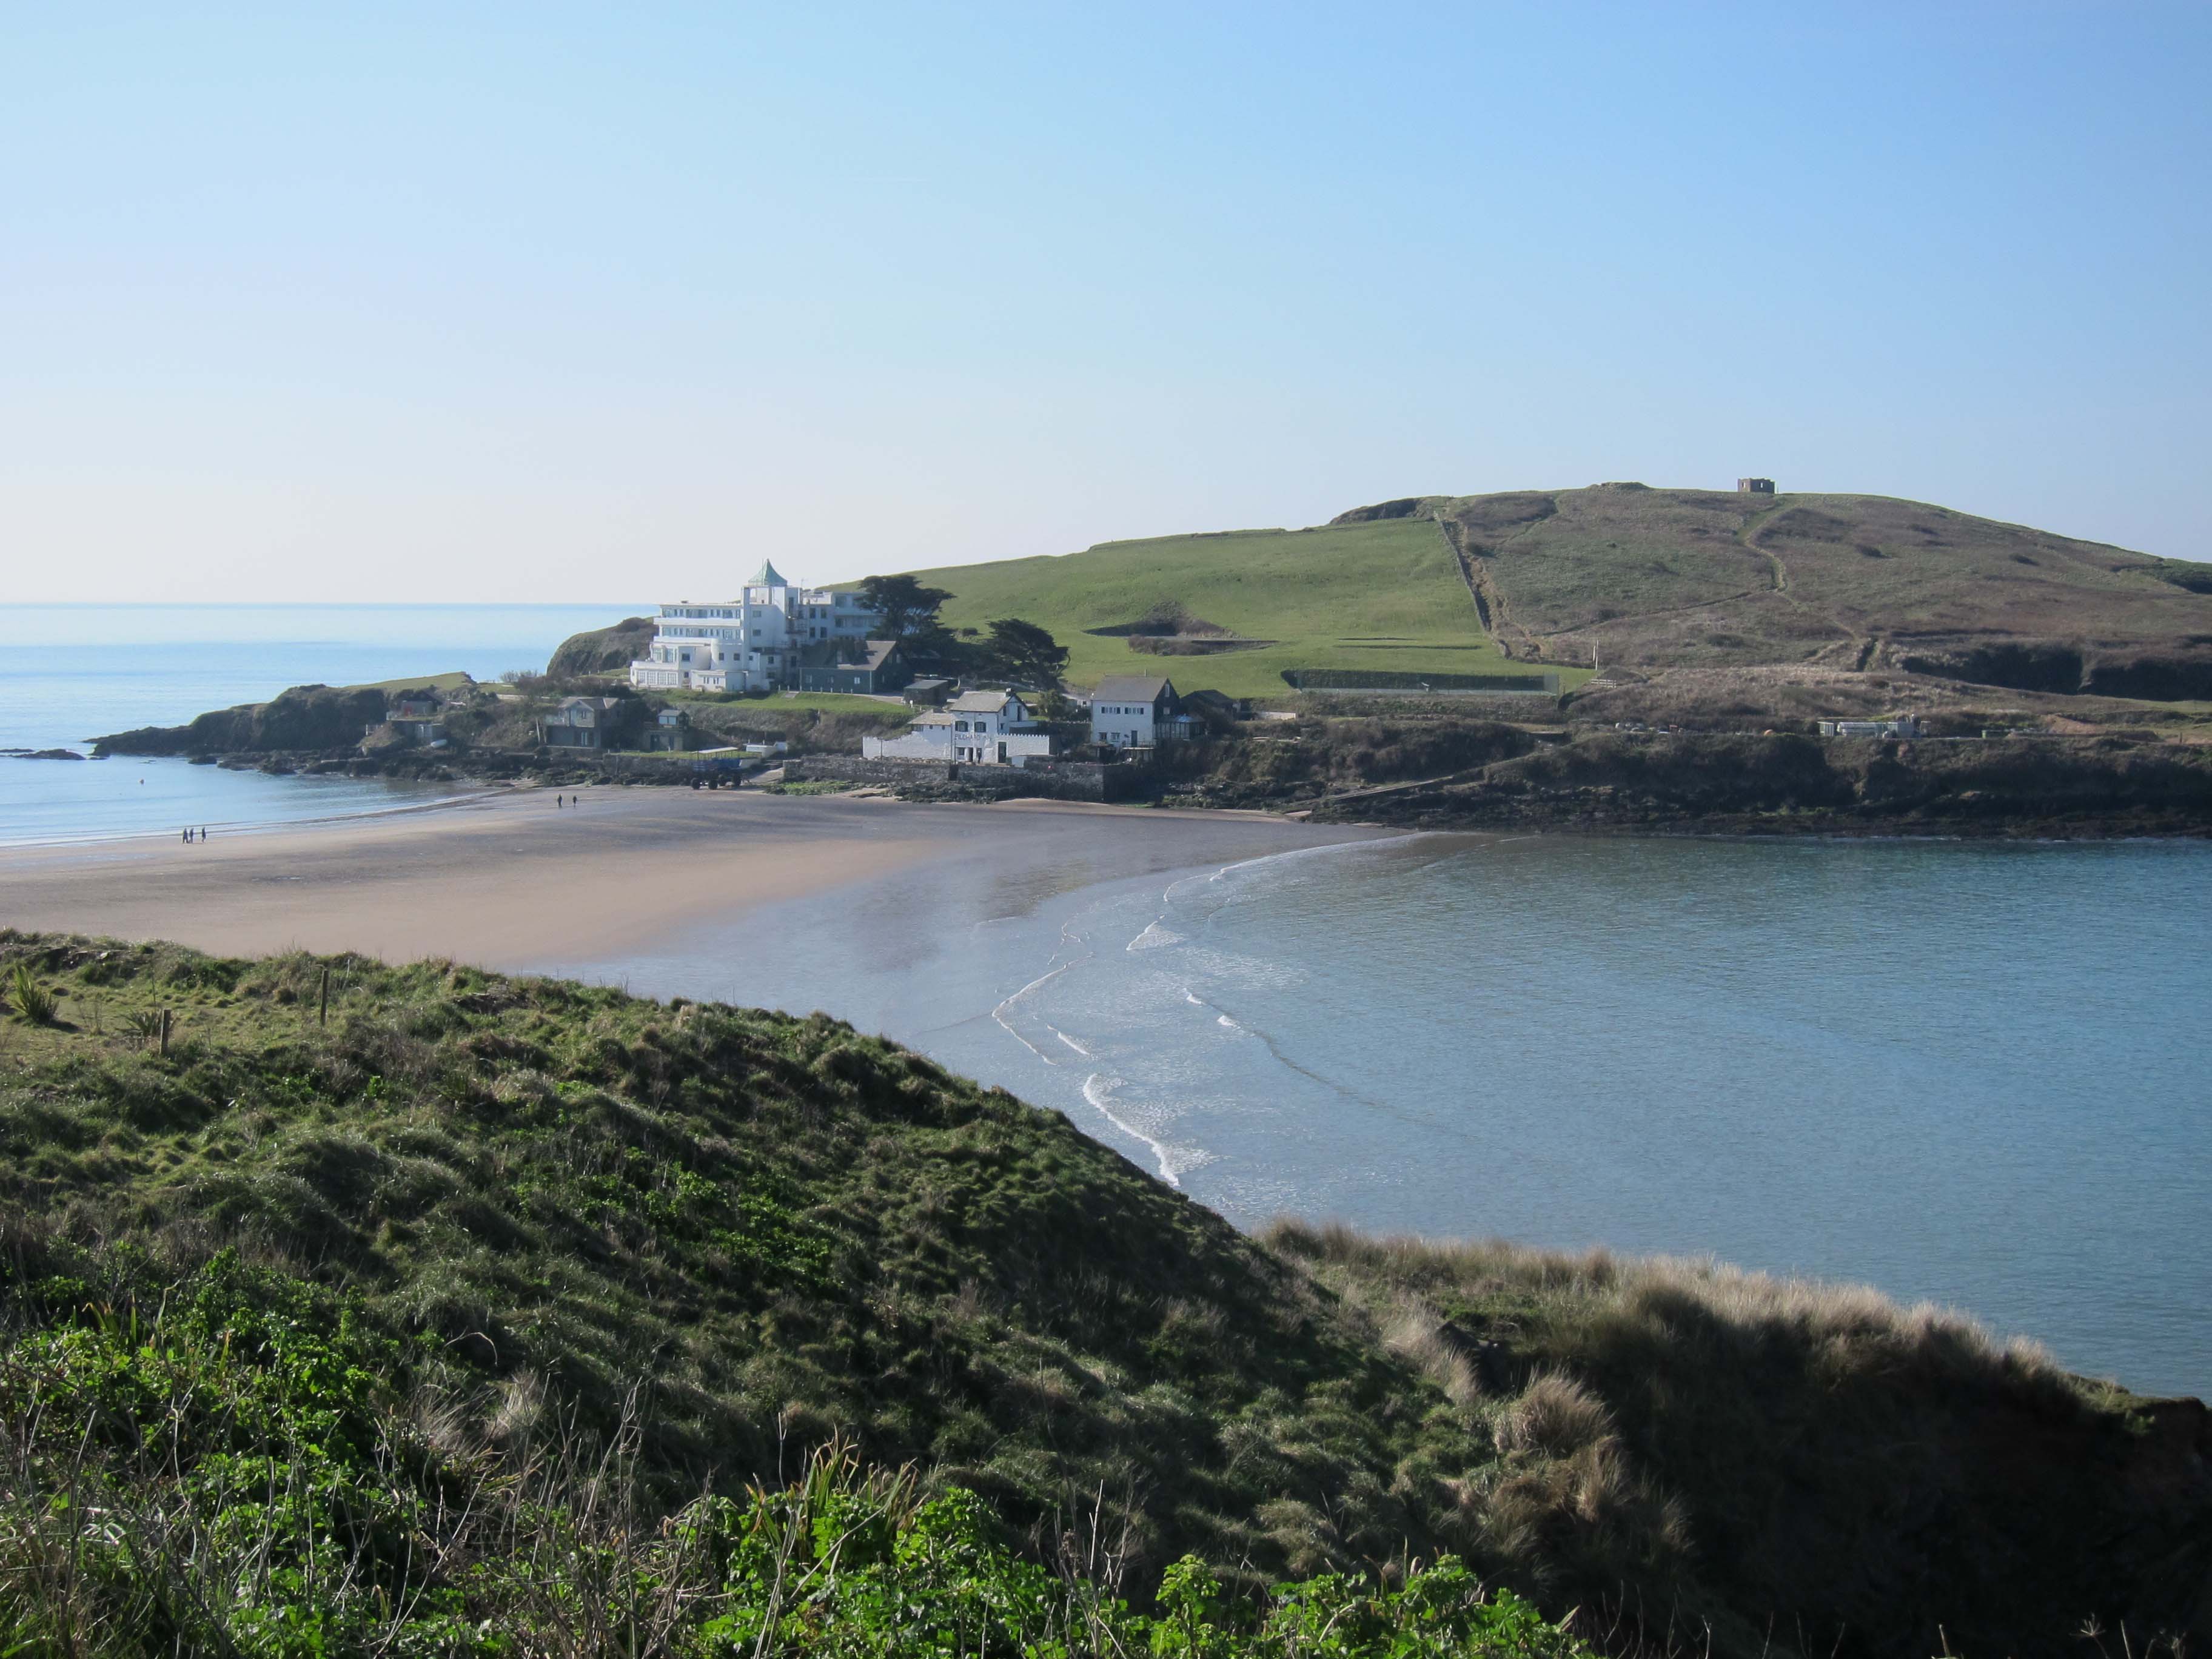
(424, 732)
(1217, 707)
(428, 703)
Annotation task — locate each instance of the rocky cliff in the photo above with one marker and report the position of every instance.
(607, 650)
(305, 718)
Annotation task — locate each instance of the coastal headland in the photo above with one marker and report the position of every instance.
(1615, 657)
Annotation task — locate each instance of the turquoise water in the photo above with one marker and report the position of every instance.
(69, 673)
(1966, 1073)
(1969, 1074)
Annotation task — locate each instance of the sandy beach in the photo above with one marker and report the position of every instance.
(511, 881)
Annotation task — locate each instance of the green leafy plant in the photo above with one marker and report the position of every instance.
(32, 1000)
(522, 1263)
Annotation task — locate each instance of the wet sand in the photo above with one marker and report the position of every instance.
(511, 881)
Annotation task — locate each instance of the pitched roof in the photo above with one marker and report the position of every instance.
(1131, 687)
(766, 576)
(831, 654)
(931, 720)
(981, 702)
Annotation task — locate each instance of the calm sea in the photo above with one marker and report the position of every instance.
(69, 673)
(1971, 1074)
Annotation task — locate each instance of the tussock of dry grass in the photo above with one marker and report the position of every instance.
(1706, 1304)
(1414, 1334)
(1555, 1415)
(1663, 1421)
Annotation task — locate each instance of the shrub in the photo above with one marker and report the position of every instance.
(33, 1001)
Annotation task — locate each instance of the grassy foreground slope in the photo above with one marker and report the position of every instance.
(446, 1306)
(1378, 596)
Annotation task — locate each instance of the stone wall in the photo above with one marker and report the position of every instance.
(1053, 780)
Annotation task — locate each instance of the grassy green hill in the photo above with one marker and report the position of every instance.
(1630, 577)
(439, 1316)
(1365, 596)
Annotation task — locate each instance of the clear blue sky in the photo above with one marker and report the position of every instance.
(557, 301)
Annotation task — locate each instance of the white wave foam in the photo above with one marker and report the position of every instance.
(1174, 1162)
(1220, 1018)
(1295, 853)
(1154, 938)
(1071, 1043)
(1099, 1089)
(1067, 937)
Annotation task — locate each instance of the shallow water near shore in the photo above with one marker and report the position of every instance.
(71, 672)
(1968, 1073)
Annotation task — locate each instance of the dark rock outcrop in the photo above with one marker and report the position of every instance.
(2162, 677)
(304, 717)
(2108, 784)
(2068, 667)
(608, 650)
(2016, 664)
(1406, 506)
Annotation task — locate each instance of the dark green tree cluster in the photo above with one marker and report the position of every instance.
(1021, 653)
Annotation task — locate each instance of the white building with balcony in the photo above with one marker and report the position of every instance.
(755, 642)
(977, 729)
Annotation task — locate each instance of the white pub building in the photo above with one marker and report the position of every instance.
(753, 643)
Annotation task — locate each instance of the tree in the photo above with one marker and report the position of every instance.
(905, 606)
(1028, 655)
